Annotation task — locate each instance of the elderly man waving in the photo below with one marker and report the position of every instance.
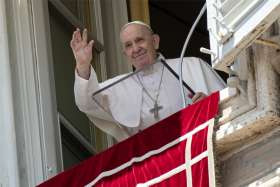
(144, 98)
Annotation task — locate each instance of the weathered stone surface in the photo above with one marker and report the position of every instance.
(248, 135)
(254, 163)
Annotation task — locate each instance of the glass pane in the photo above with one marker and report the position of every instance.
(72, 150)
(72, 5)
(64, 68)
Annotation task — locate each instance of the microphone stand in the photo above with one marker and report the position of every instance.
(137, 71)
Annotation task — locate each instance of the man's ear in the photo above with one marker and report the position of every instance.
(156, 40)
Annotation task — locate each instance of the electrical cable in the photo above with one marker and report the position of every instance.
(183, 52)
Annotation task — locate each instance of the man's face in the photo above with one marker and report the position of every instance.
(139, 45)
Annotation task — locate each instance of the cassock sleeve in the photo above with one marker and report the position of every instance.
(212, 79)
(83, 90)
(198, 75)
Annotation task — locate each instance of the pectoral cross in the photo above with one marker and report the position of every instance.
(155, 110)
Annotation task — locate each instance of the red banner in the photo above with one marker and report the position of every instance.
(176, 151)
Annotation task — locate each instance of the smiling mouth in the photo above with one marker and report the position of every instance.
(139, 57)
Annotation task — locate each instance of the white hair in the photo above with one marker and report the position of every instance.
(138, 23)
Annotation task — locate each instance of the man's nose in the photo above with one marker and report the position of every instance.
(135, 48)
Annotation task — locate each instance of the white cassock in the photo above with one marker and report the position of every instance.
(126, 106)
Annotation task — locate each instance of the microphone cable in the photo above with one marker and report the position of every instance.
(183, 52)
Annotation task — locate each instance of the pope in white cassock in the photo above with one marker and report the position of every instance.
(144, 98)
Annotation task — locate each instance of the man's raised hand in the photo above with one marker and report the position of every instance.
(198, 96)
(82, 51)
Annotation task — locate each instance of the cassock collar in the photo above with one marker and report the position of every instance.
(153, 68)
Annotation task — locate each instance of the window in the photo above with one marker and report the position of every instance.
(77, 133)
(234, 25)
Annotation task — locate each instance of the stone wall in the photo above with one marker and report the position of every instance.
(248, 133)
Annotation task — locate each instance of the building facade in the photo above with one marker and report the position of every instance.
(42, 132)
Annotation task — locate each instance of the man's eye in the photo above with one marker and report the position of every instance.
(127, 45)
(139, 40)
